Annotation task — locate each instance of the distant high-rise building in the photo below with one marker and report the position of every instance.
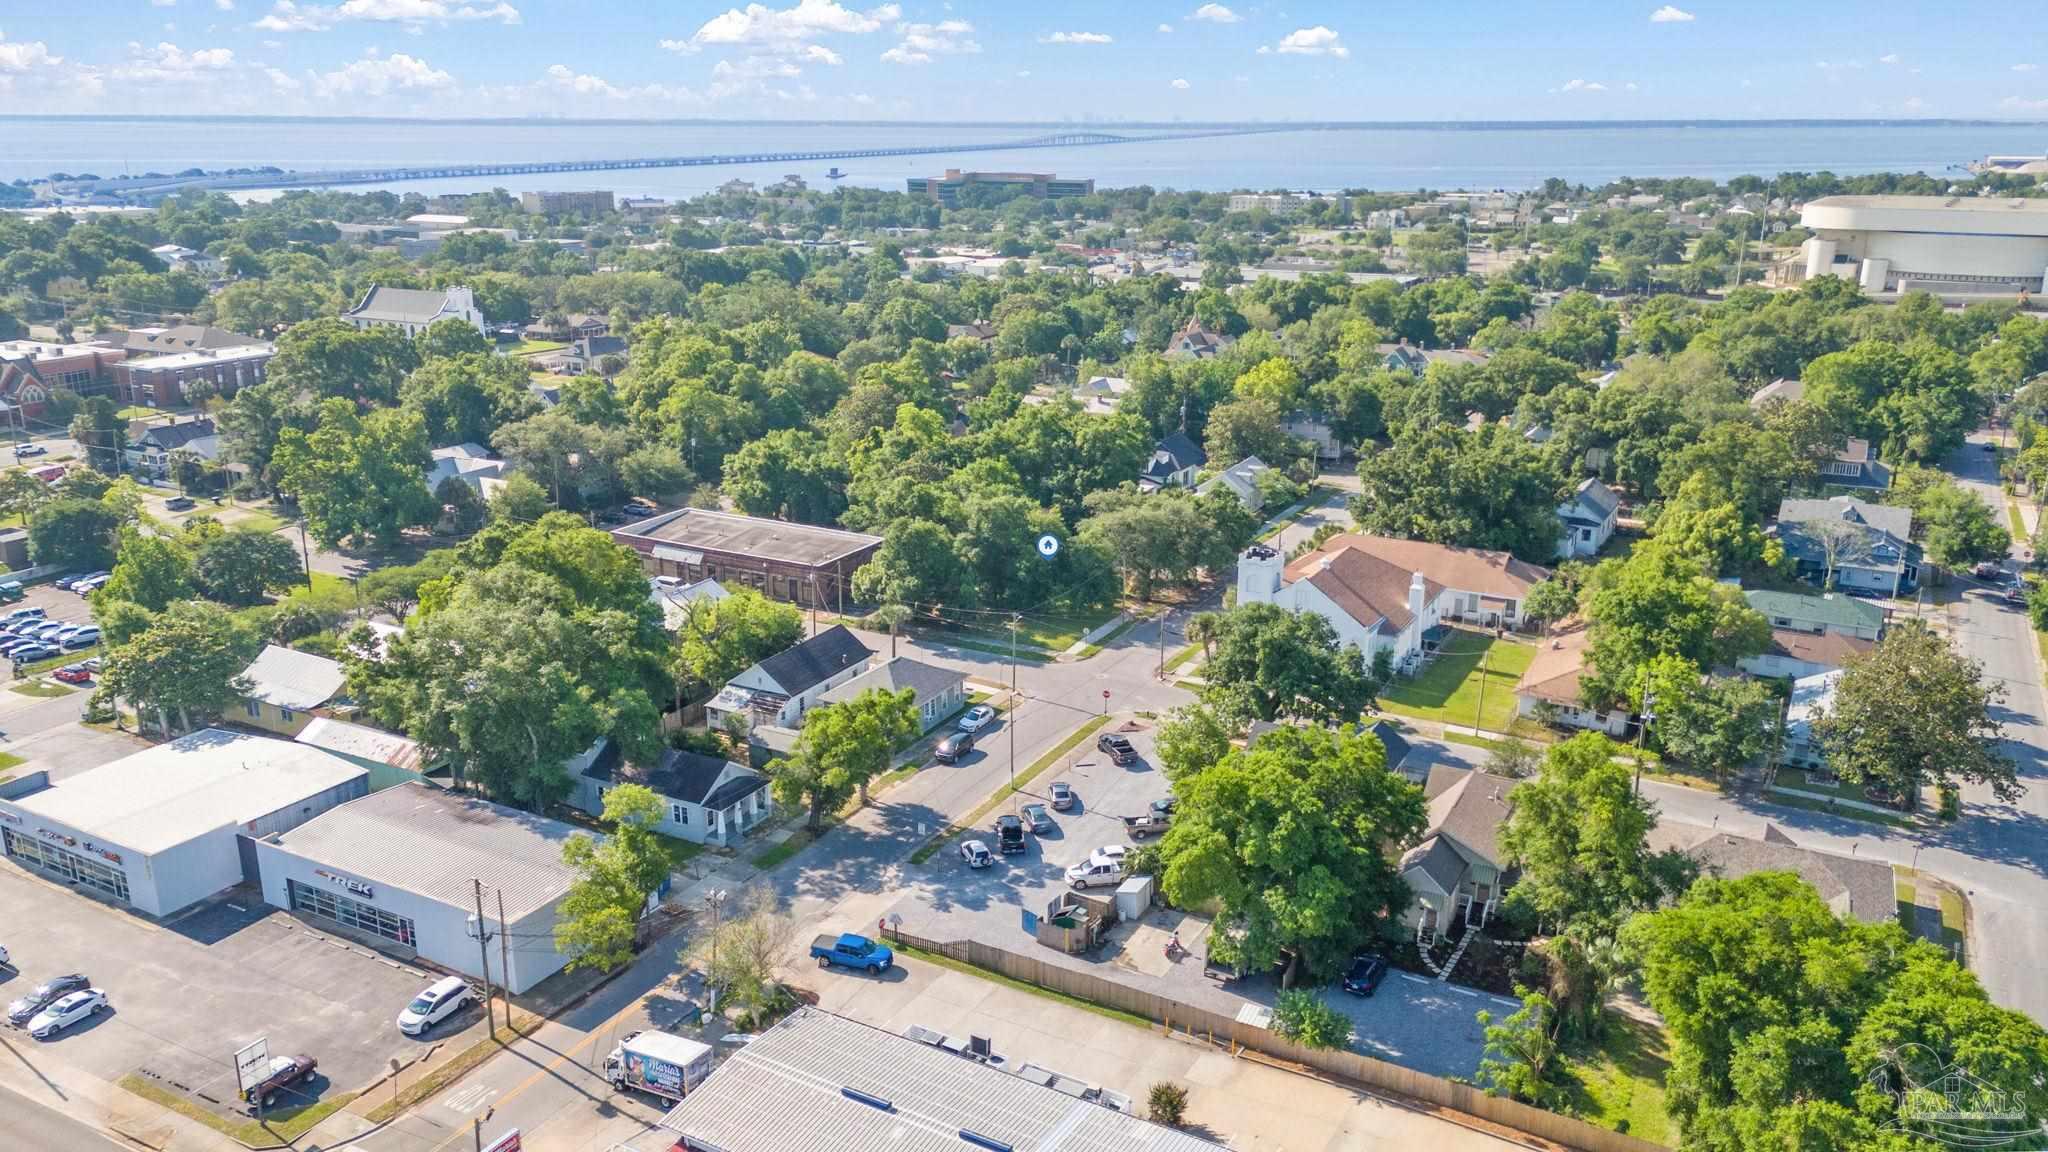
(585, 204)
(1038, 185)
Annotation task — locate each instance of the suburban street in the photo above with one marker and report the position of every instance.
(31, 1126)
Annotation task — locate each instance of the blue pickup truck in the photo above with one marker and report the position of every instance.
(852, 951)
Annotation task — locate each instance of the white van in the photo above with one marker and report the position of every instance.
(444, 999)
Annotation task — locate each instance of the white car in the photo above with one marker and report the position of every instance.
(444, 999)
(66, 1012)
(976, 718)
(5, 960)
(1111, 852)
(976, 854)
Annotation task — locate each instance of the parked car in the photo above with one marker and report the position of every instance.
(953, 747)
(1150, 824)
(27, 612)
(1364, 976)
(640, 506)
(1988, 570)
(1062, 795)
(92, 664)
(976, 854)
(11, 590)
(93, 585)
(1115, 852)
(977, 718)
(1165, 805)
(1009, 834)
(21, 450)
(33, 653)
(85, 637)
(5, 960)
(64, 1013)
(851, 950)
(43, 995)
(1095, 872)
(69, 583)
(1117, 748)
(284, 1071)
(72, 674)
(442, 999)
(52, 631)
(1037, 819)
(182, 504)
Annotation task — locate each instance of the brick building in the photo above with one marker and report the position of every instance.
(802, 563)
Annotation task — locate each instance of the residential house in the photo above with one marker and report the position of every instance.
(1794, 654)
(1175, 462)
(1589, 518)
(287, 688)
(980, 330)
(1457, 871)
(390, 758)
(1194, 342)
(1100, 395)
(1854, 467)
(1854, 887)
(1828, 612)
(1315, 428)
(470, 463)
(674, 597)
(704, 799)
(412, 310)
(1549, 689)
(779, 690)
(940, 692)
(1241, 480)
(152, 447)
(1395, 745)
(1402, 357)
(803, 563)
(179, 258)
(1811, 695)
(1865, 547)
(588, 354)
(1783, 389)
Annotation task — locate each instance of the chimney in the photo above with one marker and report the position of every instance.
(1418, 592)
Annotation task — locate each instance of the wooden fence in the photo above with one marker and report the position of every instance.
(1340, 1063)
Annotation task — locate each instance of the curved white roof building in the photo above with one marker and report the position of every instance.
(1957, 243)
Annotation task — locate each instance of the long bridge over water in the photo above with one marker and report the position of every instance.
(142, 187)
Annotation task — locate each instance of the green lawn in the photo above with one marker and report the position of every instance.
(535, 347)
(680, 851)
(1620, 1085)
(2019, 524)
(1448, 691)
(280, 1126)
(1790, 801)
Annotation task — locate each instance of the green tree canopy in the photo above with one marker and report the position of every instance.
(1270, 663)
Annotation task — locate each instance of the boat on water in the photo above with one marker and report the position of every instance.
(2013, 165)
(834, 173)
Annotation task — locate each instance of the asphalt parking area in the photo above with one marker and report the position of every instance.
(188, 994)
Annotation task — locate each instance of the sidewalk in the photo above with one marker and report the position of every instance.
(109, 1107)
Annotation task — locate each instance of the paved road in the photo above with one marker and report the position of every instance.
(30, 1126)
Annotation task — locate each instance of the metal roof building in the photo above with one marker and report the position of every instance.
(157, 830)
(400, 868)
(817, 1082)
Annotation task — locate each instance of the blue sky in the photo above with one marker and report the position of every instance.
(1451, 59)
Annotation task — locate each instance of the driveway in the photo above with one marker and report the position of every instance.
(187, 994)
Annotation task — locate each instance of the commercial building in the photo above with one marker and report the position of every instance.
(31, 369)
(180, 378)
(159, 830)
(817, 1082)
(1037, 185)
(801, 563)
(589, 205)
(411, 310)
(401, 867)
(1945, 244)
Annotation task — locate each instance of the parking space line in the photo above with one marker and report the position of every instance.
(1461, 991)
(1505, 1002)
(1415, 979)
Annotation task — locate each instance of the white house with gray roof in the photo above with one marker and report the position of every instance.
(1589, 518)
(412, 310)
(938, 692)
(1457, 871)
(704, 799)
(1851, 544)
(779, 690)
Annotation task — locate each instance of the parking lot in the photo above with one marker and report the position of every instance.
(1414, 1021)
(185, 996)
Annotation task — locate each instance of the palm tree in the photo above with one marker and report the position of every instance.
(1203, 628)
(892, 617)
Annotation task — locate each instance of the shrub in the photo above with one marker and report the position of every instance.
(1304, 1018)
(1951, 804)
(1166, 1104)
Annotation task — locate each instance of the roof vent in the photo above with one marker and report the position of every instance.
(869, 1099)
(980, 1141)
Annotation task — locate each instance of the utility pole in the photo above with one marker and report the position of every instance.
(715, 901)
(1479, 713)
(1016, 620)
(505, 957)
(1165, 618)
(305, 554)
(483, 949)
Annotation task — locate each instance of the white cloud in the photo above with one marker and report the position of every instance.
(224, 5)
(758, 24)
(282, 80)
(1316, 41)
(1583, 86)
(1077, 38)
(20, 58)
(1215, 14)
(921, 42)
(1182, 85)
(1888, 58)
(1166, 27)
(755, 68)
(162, 3)
(1629, 87)
(2019, 104)
(376, 76)
(2023, 67)
(288, 16)
(166, 63)
(1023, 73)
(1670, 14)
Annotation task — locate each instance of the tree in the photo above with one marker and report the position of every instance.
(749, 947)
(1166, 1103)
(614, 877)
(719, 639)
(1487, 488)
(841, 748)
(1715, 723)
(521, 500)
(787, 474)
(1579, 833)
(1913, 712)
(331, 358)
(468, 397)
(1270, 663)
(357, 475)
(73, 534)
(239, 567)
(1549, 601)
(1957, 528)
(99, 430)
(1190, 739)
(1305, 1018)
(1658, 603)
(187, 664)
(1520, 1051)
(915, 565)
(152, 571)
(1295, 839)
(460, 504)
(448, 338)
